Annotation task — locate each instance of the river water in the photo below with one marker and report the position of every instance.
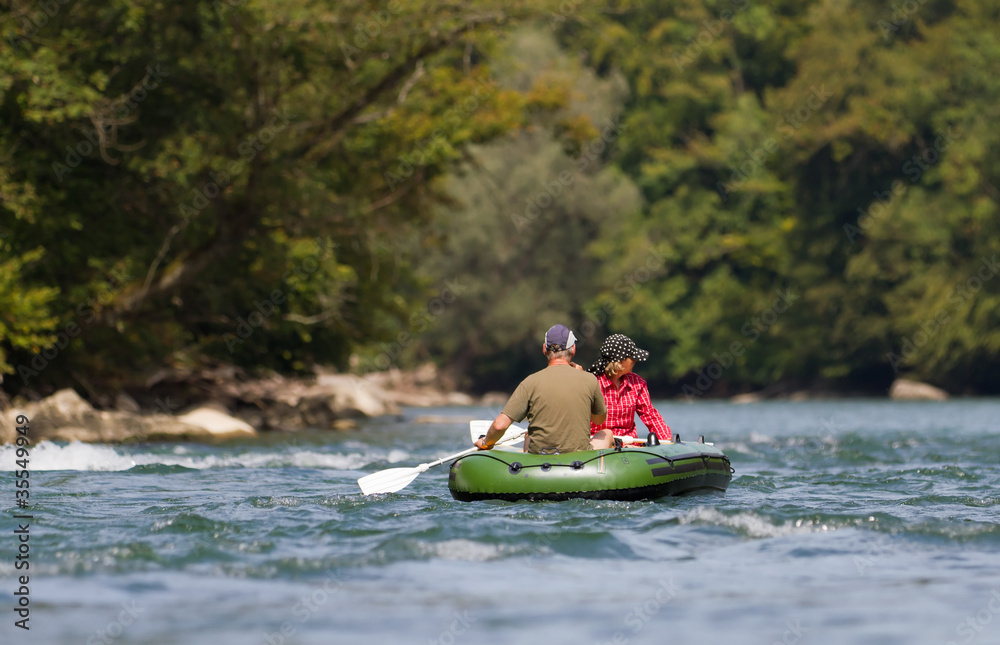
(847, 522)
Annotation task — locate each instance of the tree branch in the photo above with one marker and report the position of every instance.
(333, 127)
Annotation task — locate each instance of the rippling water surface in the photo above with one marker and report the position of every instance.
(848, 522)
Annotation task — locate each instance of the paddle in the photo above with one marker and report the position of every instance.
(394, 479)
(480, 426)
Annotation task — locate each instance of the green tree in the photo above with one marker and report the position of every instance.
(518, 237)
(759, 133)
(232, 180)
(25, 322)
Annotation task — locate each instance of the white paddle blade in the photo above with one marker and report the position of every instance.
(388, 481)
(480, 427)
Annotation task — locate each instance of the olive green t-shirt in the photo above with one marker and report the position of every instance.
(557, 402)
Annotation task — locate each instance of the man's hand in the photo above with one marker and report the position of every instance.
(493, 435)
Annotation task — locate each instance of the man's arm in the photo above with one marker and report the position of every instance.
(497, 428)
(598, 410)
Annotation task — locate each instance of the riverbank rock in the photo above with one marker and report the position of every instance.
(423, 387)
(326, 401)
(353, 396)
(905, 390)
(66, 416)
(747, 397)
(217, 422)
(225, 402)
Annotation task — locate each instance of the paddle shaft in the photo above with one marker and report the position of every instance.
(423, 467)
(505, 442)
(394, 479)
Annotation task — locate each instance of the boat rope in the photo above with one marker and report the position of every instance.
(515, 466)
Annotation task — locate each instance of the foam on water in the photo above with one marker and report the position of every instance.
(75, 456)
(752, 524)
(466, 550)
(99, 457)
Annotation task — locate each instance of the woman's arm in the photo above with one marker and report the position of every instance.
(649, 415)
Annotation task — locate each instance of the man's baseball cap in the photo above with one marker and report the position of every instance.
(559, 337)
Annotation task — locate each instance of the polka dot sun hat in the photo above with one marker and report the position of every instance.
(617, 347)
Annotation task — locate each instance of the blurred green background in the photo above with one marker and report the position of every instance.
(760, 192)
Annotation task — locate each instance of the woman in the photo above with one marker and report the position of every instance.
(625, 393)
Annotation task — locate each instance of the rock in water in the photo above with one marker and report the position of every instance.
(350, 396)
(905, 390)
(66, 416)
(217, 423)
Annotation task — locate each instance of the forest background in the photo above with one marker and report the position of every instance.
(759, 192)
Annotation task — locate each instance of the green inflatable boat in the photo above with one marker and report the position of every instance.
(632, 472)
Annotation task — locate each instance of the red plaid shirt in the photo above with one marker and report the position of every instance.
(631, 398)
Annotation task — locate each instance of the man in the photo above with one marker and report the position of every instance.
(560, 402)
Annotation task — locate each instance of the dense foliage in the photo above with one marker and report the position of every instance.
(819, 184)
(229, 181)
(757, 191)
(825, 177)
